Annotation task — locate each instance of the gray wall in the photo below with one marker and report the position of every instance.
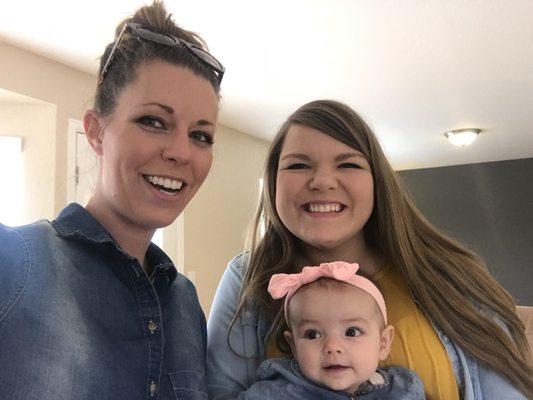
(489, 208)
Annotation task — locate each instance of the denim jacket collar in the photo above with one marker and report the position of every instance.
(76, 222)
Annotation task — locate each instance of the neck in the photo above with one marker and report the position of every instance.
(133, 239)
(369, 261)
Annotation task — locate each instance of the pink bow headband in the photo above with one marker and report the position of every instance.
(287, 285)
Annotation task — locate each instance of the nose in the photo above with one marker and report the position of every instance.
(177, 148)
(332, 345)
(323, 180)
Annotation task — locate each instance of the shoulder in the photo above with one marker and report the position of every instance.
(403, 380)
(19, 242)
(16, 254)
(239, 264)
(231, 283)
(182, 283)
(14, 251)
(275, 366)
(272, 381)
(184, 296)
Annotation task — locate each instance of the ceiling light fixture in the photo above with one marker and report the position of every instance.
(462, 137)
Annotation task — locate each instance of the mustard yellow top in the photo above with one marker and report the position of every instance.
(272, 349)
(416, 345)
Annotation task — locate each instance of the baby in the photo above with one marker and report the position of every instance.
(338, 333)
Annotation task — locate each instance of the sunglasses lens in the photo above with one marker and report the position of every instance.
(167, 40)
(155, 37)
(208, 59)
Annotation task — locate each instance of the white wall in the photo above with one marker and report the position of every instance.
(66, 88)
(217, 219)
(35, 123)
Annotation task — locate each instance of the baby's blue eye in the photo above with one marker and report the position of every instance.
(312, 334)
(353, 332)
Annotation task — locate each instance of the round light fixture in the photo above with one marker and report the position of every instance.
(462, 137)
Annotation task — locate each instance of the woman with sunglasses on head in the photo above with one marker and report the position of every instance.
(330, 194)
(89, 307)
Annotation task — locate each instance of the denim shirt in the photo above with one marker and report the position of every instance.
(80, 318)
(229, 374)
(282, 379)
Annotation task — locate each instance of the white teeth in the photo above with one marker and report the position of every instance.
(323, 208)
(165, 182)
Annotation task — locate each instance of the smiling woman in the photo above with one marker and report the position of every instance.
(157, 150)
(329, 195)
(311, 163)
(85, 298)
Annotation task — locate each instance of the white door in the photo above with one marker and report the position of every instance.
(86, 169)
(81, 177)
(82, 165)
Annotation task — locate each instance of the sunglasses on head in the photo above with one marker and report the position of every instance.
(168, 40)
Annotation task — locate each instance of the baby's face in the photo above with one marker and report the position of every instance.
(338, 335)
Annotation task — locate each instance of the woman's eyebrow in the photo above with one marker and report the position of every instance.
(345, 156)
(168, 109)
(296, 155)
(204, 122)
(340, 157)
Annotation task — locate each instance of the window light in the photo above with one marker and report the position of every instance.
(11, 175)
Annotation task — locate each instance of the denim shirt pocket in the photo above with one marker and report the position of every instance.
(189, 385)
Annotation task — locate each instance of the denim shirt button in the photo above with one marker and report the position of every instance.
(153, 389)
(152, 326)
(248, 314)
(445, 338)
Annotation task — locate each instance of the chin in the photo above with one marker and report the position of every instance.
(340, 387)
(161, 220)
(323, 244)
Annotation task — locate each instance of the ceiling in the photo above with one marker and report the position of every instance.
(413, 69)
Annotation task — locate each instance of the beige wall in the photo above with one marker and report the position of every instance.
(35, 123)
(217, 219)
(67, 88)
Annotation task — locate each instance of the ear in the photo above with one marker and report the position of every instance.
(290, 340)
(94, 131)
(387, 334)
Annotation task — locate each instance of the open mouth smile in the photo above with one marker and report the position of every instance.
(323, 207)
(165, 185)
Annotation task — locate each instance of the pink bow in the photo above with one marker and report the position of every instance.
(281, 285)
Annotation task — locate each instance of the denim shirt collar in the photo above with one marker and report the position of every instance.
(76, 222)
(368, 387)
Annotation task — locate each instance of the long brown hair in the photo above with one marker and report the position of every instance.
(448, 282)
